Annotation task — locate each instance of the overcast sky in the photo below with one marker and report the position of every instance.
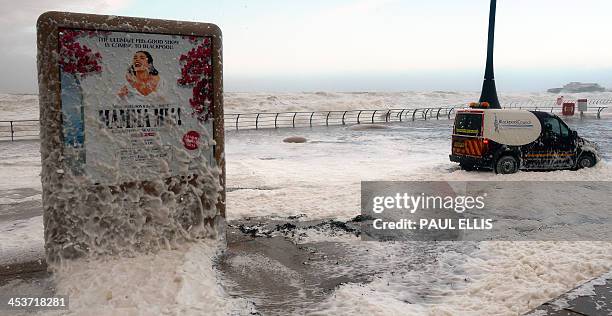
(360, 45)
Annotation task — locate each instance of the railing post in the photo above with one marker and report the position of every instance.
(343, 114)
(275, 118)
(413, 114)
(438, 115)
(388, 116)
(293, 120)
(257, 121)
(327, 118)
(311, 114)
(373, 116)
(237, 117)
(401, 114)
(358, 115)
(12, 132)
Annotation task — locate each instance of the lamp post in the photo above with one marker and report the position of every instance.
(489, 92)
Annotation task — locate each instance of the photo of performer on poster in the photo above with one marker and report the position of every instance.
(144, 84)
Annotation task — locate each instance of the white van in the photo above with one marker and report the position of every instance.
(509, 140)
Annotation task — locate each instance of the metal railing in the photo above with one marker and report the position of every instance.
(19, 129)
(328, 118)
(29, 129)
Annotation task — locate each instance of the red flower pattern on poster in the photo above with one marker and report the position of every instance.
(76, 58)
(196, 72)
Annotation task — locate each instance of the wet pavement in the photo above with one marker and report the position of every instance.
(11, 211)
(594, 298)
(278, 267)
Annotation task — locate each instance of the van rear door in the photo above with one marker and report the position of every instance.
(467, 134)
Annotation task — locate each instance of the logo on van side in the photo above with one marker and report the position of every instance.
(499, 124)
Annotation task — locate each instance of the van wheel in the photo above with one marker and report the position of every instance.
(506, 165)
(586, 161)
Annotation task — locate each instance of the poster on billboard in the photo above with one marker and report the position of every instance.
(132, 133)
(136, 104)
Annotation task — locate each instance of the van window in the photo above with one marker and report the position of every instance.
(551, 127)
(468, 124)
(564, 130)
